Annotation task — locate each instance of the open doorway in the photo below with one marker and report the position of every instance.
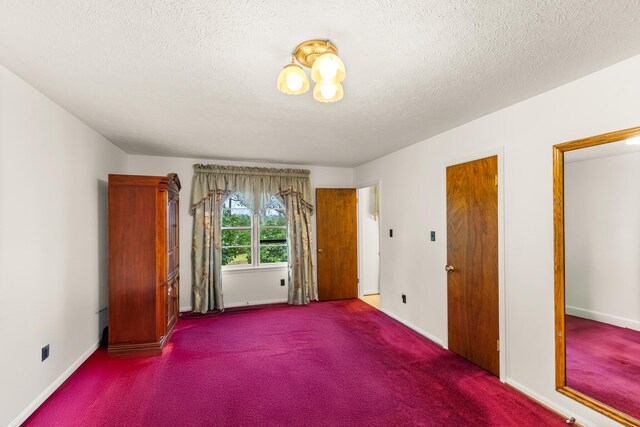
(369, 245)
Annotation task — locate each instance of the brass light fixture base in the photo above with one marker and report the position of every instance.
(307, 52)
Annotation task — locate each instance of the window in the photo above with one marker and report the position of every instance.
(250, 239)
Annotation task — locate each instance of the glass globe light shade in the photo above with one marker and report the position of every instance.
(328, 68)
(328, 92)
(293, 80)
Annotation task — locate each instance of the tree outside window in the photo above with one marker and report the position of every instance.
(250, 239)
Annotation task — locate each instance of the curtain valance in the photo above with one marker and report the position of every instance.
(256, 183)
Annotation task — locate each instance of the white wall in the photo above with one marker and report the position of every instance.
(602, 239)
(239, 288)
(368, 241)
(252, 287)
(413, 189)
(53, 246)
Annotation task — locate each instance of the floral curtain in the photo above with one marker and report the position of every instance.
(212, 184)
(302, 283)
(206, 254)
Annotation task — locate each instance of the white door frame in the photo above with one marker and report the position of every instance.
(360, 268)
(502, 311)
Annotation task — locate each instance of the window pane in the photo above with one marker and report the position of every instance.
(236, 218)
(236, 238)
(273, 236)
(235, 213)
(273, 217)
(273, 214)
(236, 256)
(270, 254)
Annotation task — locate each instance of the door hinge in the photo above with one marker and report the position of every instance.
(496, 180)
(497, 345)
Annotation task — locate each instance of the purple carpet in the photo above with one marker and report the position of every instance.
(603, 361)
(340, 363)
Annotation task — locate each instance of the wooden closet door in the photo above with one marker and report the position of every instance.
(472, 257)
(337, 231)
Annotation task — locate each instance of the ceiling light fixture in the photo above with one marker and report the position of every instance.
(327, 71)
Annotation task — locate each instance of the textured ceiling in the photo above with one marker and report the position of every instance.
(197, 78)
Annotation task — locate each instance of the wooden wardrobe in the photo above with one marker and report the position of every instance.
(144, 280)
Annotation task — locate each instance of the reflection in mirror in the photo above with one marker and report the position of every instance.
(602, 273)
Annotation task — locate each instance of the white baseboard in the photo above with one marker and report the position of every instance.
(611, 319)
(250, 303)
(415, 328)
(373, 292)
(52, 387)
(548, 403)
(184, 309)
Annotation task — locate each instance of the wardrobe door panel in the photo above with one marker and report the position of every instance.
(132, 259)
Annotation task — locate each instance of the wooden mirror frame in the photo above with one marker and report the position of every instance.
(558, 224)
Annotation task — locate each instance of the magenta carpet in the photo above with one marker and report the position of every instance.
(339, 363)
(603, 361)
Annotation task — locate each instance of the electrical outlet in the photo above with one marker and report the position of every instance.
(433, 236)
(281, 282)
(45, 352)
(391, 232)
(404, 299)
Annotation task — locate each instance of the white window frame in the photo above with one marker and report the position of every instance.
(255, 228)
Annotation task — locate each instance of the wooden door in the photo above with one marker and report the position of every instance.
(337, 235)
(472, 262)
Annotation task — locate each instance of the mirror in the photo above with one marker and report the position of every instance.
(597, 272)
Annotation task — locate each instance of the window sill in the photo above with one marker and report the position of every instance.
(251, 269)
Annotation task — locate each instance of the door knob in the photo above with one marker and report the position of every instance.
(320, 251)
(449, 268)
